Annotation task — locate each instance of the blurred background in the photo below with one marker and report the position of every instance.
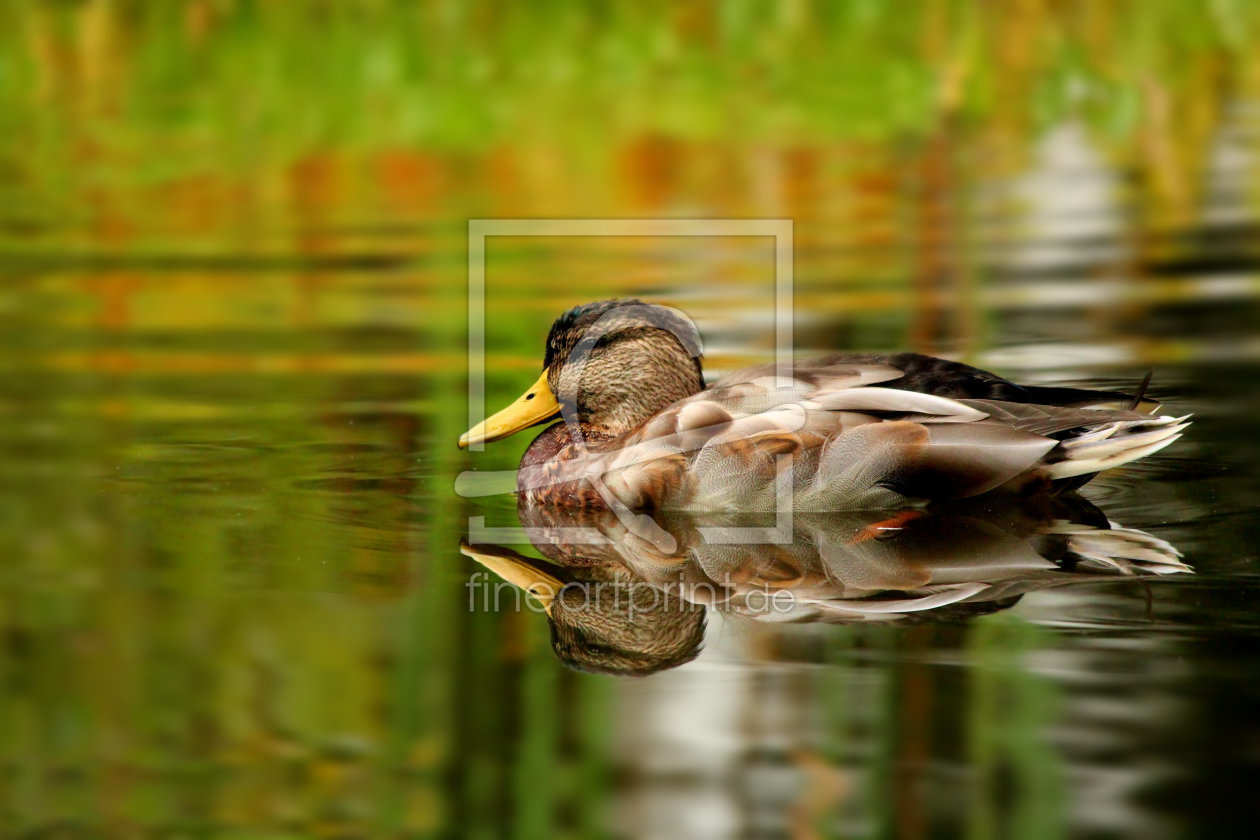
(233, 339)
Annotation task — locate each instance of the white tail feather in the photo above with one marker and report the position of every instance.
(1114, 444)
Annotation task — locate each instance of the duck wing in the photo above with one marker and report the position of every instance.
(742, 447)
(946, 378)
(842, 435)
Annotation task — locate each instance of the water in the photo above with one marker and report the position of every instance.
(235, 596)
(233, 345)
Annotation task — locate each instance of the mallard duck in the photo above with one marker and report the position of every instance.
(638, 428)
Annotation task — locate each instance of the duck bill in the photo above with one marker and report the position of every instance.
(535, 406)
(516, 570)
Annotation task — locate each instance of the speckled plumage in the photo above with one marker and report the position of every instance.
(848, 431)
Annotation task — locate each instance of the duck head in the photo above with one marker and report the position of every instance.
(608, 366)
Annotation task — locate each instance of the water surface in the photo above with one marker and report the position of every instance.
(234, 602)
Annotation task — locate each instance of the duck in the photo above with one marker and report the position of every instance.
(635, 427)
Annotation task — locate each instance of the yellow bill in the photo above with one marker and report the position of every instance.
(517, 570)
(531, 408)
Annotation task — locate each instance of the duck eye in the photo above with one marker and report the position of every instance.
(529, 396)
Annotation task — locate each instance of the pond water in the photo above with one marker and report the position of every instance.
(235, 595)
(235, 604)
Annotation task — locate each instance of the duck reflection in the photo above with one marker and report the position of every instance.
(629, 594)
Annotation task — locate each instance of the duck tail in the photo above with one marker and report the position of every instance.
(1106, 445)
